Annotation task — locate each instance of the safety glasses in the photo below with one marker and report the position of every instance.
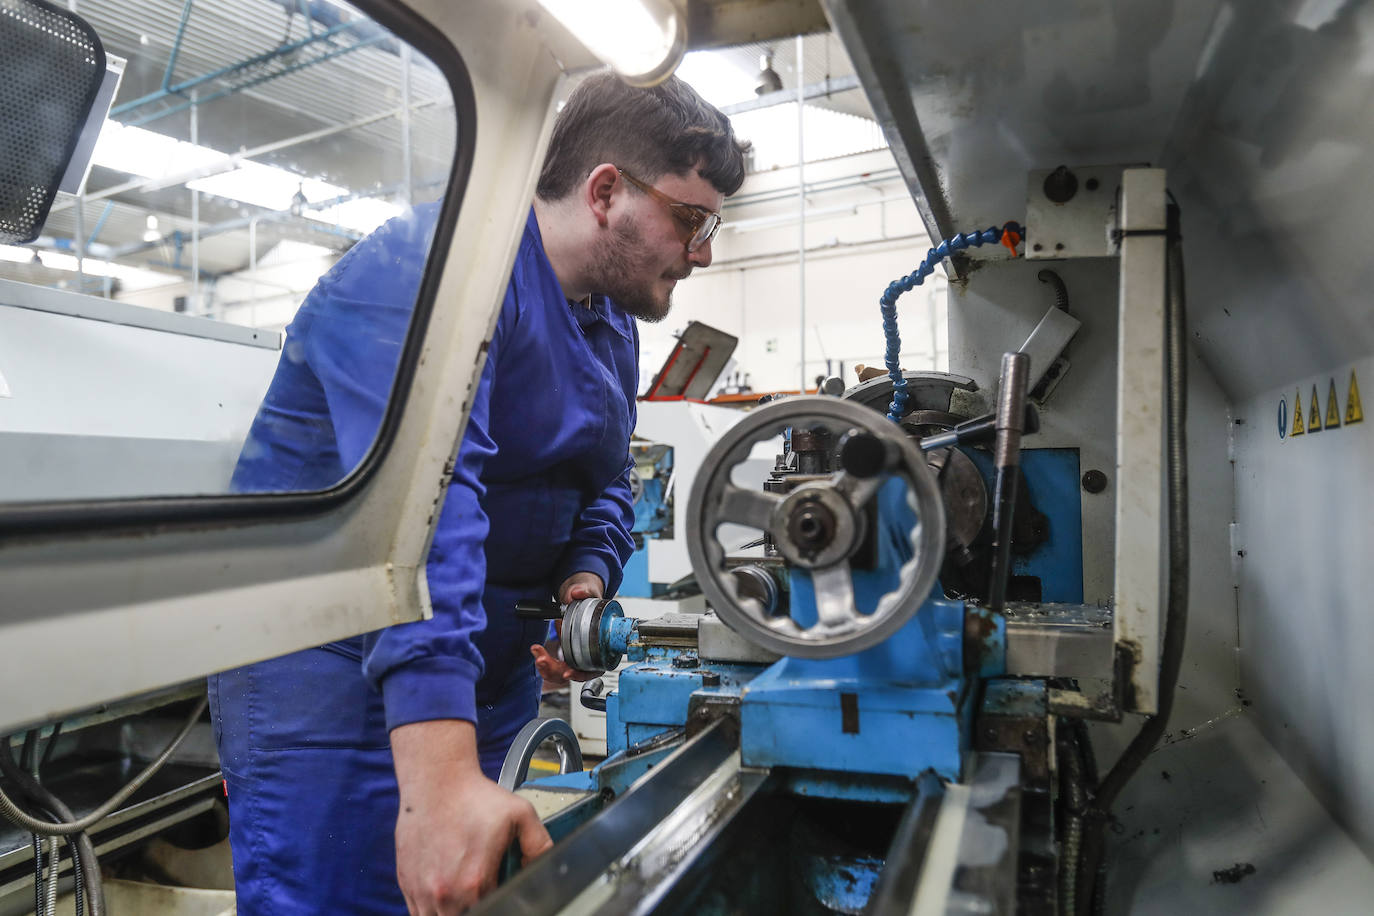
(696, 225)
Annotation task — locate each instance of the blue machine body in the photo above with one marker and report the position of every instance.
(863, 726)
(1053, 484)
(653, 514)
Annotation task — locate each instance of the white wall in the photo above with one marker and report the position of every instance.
(860, 236)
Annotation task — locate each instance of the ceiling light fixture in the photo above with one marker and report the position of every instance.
(769, 81)
(641, 40)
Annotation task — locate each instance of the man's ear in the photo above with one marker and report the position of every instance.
(598, 190)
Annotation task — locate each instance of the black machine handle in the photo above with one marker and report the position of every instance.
(589, 696)
(979, 431)
(531, 609)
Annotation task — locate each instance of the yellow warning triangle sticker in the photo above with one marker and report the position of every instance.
(1333, 407)
(1298, 428)
(1314, 418)
(1353, 413)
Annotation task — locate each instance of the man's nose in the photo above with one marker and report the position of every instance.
(702, 256)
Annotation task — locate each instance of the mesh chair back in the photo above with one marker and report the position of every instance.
(51, 67)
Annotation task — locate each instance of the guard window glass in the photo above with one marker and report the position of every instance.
(241, 149)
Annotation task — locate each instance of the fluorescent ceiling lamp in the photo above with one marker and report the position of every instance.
(717, 78)
(265, 186)
(150, 155)
(290, 251)
(362, 214)
(642, 40)
(165, 161)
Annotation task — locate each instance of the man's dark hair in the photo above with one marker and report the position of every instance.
(647, 132)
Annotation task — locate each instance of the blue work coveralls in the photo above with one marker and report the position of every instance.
(540, 491)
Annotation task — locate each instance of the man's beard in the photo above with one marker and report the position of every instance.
(619, 268)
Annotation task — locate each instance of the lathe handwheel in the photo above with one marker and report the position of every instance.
(817, 526)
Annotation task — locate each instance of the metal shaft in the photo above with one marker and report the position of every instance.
(1011, 413)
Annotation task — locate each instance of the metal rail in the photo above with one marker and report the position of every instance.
(662, 798)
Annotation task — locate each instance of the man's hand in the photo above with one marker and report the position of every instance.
(581, 585)
(574, 588)
(454, 825)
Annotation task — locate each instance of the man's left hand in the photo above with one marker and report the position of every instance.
(574, 588)
(581, 585)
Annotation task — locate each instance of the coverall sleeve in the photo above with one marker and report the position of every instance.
(429, 669)
(358, 317)
(354, 324)
(601, 540)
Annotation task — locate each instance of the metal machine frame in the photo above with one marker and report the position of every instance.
(144, 593)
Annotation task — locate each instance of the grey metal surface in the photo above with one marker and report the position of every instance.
(64, 302)
(72, 376)
(581, 859)
(906, 855)
(1059, 640)
(1301, 547)
(645, 876)
(972, 863)
(718, 643)
(1140, 433)
(516, 766)
(1079, 227)
(109, 400)
(985, 879)
(1047, 341)
(1217, 822)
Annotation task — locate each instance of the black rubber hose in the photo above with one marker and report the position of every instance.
(1061, 292)
(26, 753)
(52, 743)
(1176, 617)
(83, 852)
(23, 819)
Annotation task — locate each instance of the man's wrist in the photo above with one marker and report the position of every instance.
(433, 753)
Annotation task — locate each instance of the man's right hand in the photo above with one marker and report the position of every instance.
(454, 825)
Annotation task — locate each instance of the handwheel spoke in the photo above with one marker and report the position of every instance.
(858, 490)
(747, 507)
(834, 587)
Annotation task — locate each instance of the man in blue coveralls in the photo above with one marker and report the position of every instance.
(360, 773)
